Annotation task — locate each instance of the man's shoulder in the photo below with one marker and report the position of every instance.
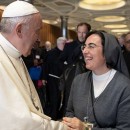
(71, 44)
(52, 51)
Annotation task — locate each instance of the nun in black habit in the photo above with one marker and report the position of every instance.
(100, 96)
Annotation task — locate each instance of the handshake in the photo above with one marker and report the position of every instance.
(75, 124)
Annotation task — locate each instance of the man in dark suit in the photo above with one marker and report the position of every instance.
(71, 50)
(73, 58)
(126, 51)
(52, 71)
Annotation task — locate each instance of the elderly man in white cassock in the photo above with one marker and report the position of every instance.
(20, 108)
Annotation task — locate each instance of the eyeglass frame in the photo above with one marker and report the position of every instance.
(89, 46)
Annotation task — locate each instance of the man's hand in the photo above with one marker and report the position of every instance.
(73, 123)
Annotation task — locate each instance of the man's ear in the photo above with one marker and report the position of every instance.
(19, 30)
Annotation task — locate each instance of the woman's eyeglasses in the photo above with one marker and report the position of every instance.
(89, 46)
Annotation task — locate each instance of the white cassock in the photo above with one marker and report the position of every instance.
(20, 107)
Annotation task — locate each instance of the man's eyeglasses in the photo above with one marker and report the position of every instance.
(89, 46)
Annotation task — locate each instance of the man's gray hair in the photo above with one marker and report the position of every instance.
(60, 40)
(8, 24)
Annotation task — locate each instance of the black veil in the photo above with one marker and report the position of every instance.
(113, 54)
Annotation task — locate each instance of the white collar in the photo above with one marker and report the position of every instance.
(101, 77)
(8, 47)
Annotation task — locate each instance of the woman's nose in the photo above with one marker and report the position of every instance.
(85, 50)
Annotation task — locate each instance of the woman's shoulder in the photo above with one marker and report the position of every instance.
(83, 76)
(121, 82)
(122, 85)
(122, 78)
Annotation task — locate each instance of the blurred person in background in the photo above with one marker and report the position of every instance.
(126, 51)
(53, 68)
(71, 51)
(121, 40)
(45, 49)
(48, 45)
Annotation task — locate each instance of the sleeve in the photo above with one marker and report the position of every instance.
(14, 111)
(75, 55)
(64, 55)
(70, 109)
(123, 114)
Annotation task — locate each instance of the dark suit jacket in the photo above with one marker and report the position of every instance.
(52, 63)
(71, 52)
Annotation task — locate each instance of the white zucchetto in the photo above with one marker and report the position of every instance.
(19, 8)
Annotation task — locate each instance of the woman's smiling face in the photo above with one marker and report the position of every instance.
(93, 53)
